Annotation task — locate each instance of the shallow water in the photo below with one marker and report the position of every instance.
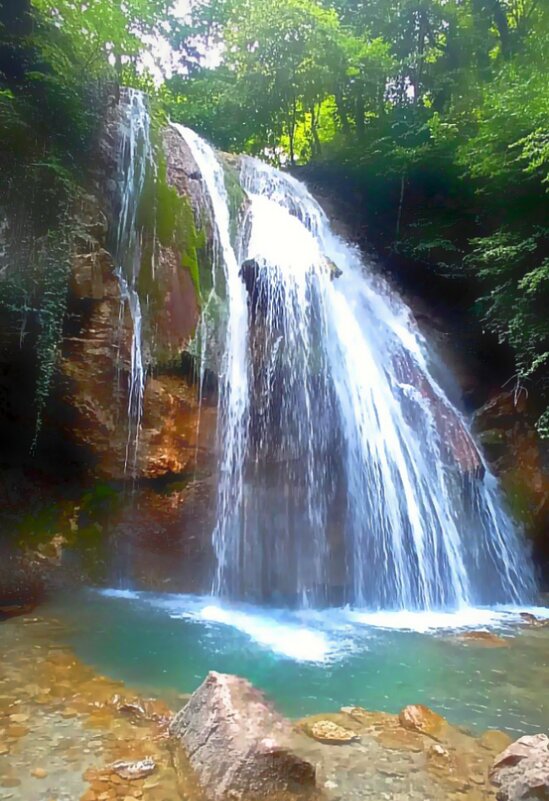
(310, 662)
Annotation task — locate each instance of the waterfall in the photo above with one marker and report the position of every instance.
(346, 475)
(135, 158)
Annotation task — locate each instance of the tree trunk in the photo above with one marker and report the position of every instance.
(502, 24)
(400, 204)
(359, 116)
(314, 132)
(342, 113)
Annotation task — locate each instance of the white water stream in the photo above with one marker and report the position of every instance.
(135, 157)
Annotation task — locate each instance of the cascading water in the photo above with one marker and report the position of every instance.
(346, 475)
(135, 157)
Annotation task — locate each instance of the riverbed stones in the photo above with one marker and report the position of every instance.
(521, 772)
(232, 742)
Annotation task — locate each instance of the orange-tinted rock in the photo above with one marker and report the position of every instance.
(494, 740)
(419, 718)
(400, 740)
(484, 638)
(175, 432)
(175, 435)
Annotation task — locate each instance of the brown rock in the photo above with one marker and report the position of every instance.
(532, 620)
(237, 746)
(494, 740)
(19, 718)
(39, 773)
(9, 781)
(400, 740)
(459, 448)
(326, 731)
(483, 638)
(419, 718)
(16, 731)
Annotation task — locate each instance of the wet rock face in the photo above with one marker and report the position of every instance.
(96, 360)
(505, 428)
(237, 746)
(521, 772)
(95, 367)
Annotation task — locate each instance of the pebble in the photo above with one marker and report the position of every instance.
(16, 731)
(19, 718)
(9, 781)
(39, 773)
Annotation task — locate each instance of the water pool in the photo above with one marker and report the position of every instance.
(310, 662)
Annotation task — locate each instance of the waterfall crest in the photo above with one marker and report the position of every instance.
(345, 473)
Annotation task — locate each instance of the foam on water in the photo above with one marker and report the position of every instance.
(129, 595)
(296, 642)
(328, 635)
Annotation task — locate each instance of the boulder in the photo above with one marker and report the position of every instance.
(521, 772)
(419, 718)
(231, 743)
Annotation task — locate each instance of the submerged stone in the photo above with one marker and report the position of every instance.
(484, 638)
(139, 769)
(419, 718)
(326, 731)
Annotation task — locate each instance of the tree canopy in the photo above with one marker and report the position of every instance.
(435, 112)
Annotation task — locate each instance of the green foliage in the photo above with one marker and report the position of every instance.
(58, 59)
(434, 113)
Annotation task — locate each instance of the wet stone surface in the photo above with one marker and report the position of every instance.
(62, 726)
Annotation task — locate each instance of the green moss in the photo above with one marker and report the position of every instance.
(521, 499)
(236, 197)
(166, 214)
(176, 227)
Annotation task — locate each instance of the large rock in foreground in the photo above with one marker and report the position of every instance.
(522, 771)
(237, 747)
